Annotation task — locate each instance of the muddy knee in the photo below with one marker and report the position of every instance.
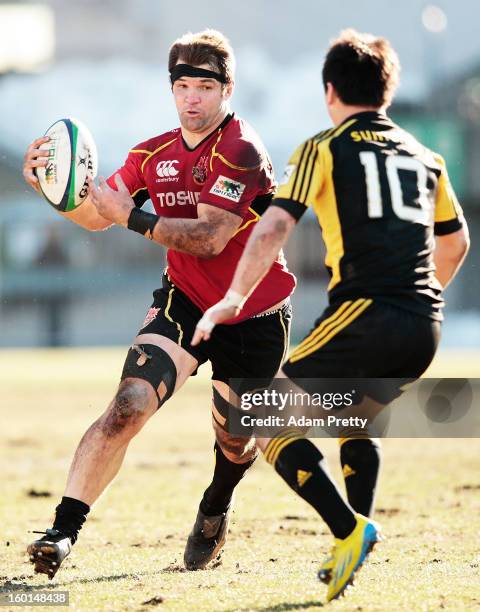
(152, 364)
(236, 448)
(132, 405)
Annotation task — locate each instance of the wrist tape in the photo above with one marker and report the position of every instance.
(142, 222)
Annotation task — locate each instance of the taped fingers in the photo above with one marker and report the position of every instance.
(227, 308)
(154, 365)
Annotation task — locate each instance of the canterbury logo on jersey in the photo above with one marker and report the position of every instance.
(166, 169)
(182, 198)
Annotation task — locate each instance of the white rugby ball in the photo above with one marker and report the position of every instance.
(72, 158)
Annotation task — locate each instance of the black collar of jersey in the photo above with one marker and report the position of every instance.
(365, 115)
(220, 127)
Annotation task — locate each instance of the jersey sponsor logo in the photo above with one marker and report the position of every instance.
(151, 316)
(287, 173)
(228, 188)
(182, 198)
(367, 136)
(166, 169)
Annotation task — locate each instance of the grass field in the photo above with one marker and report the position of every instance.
(129, 555)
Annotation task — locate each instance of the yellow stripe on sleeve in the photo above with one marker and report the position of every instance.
(447, 206)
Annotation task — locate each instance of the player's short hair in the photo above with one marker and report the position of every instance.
(208, 47)
(363, 69)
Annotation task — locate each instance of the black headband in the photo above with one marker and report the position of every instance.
(181, 70)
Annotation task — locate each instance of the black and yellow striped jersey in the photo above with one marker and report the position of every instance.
(379, 196)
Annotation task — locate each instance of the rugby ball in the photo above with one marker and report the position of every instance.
(72, 157)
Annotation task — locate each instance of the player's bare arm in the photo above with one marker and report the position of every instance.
(450, 252)
(267, 239)
(205, 236)
(85, 215)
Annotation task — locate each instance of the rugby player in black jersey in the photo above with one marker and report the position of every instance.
(395, 236)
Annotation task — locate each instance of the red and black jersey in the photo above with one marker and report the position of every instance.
(229, 169)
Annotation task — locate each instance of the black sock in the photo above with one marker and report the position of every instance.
(302, 466)
(226, 476)
(360, 460)
(70, 515)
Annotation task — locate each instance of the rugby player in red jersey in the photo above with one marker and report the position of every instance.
(210, 181)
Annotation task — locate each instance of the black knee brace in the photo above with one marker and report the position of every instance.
(151, 363)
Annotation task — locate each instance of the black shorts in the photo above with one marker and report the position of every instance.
(365, 338)
(254, 348)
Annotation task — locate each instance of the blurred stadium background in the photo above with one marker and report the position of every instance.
(105, 63)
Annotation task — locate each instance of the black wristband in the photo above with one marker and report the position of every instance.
(142, 222)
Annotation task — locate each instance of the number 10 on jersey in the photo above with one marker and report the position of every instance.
(407, 204)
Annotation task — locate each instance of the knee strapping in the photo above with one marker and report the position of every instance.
(154, 365)
(227, 416)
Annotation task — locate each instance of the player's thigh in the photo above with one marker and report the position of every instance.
(251, 351)
(364, 339)
(161, 353)
(173, 315)
(246, 356)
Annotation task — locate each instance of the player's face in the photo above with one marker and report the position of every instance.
(201, 103)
